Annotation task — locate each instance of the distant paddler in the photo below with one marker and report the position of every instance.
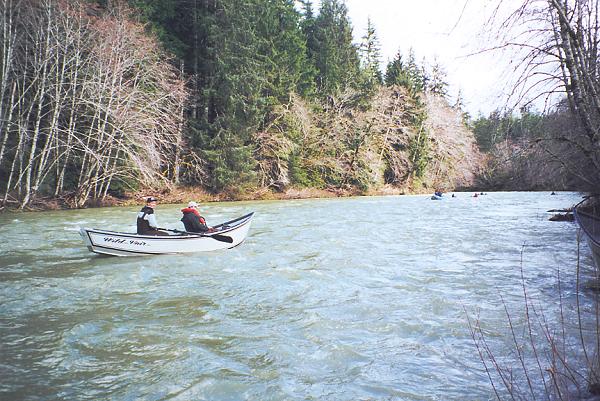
(437, 195)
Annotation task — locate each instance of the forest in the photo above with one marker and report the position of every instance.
(108, 99)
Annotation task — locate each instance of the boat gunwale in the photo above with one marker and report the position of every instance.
(242, 222)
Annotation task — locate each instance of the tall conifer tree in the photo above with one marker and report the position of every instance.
(283, 46)
(370, 51)
(414, 72)
(336, 58)
(396, 72)
(242, 58)
(437, 83)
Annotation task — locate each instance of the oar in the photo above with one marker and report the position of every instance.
(218, 237)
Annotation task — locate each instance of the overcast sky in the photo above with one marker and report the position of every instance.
(448, 30)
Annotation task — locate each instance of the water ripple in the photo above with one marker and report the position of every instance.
(332, 299)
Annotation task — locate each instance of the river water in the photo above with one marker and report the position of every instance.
(361, 298)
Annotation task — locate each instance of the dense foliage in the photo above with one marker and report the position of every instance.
(530, 150)
(500, 127)
(99, 98)
(554, 48)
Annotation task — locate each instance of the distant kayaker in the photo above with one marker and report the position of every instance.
(146, 220)
(192, 220)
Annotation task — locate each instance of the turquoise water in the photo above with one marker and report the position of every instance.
(331, 299)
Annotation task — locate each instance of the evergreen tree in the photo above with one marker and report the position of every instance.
(243, 59)
(283, 46)
(415, 73)
(223, 110)
(425, 78)
(408, 74)
(371, 55)
(396, 72)
(459, 104)
(230, 85)
(438, 84)
(335, 57)
(168, 20)
(393, 70)
(307, 24)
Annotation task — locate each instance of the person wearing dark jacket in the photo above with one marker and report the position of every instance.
(146, 220)
(192, 220)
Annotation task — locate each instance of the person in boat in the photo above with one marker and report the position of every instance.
(438, 193)
(146, 220)
(192, 220)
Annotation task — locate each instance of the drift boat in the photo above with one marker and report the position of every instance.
(227, 235)
(590, 225)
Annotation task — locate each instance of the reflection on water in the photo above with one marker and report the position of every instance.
(340, 299)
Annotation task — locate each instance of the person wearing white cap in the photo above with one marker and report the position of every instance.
(192, 220)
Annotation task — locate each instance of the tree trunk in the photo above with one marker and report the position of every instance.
(45, 60)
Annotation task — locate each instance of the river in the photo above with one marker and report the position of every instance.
(362, 298)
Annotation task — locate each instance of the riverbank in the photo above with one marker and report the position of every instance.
(186, 194)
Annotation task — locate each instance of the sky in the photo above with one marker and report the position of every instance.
(449, 31)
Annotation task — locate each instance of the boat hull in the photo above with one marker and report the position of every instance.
(228, 235)
(590, 225)
(595, 252)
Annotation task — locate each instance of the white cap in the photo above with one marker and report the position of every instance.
(192, 204)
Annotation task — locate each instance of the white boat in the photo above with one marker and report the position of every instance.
(227, 235)
(590, 224)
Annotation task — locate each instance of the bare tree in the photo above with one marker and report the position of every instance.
(86, 96)
(556, 45)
